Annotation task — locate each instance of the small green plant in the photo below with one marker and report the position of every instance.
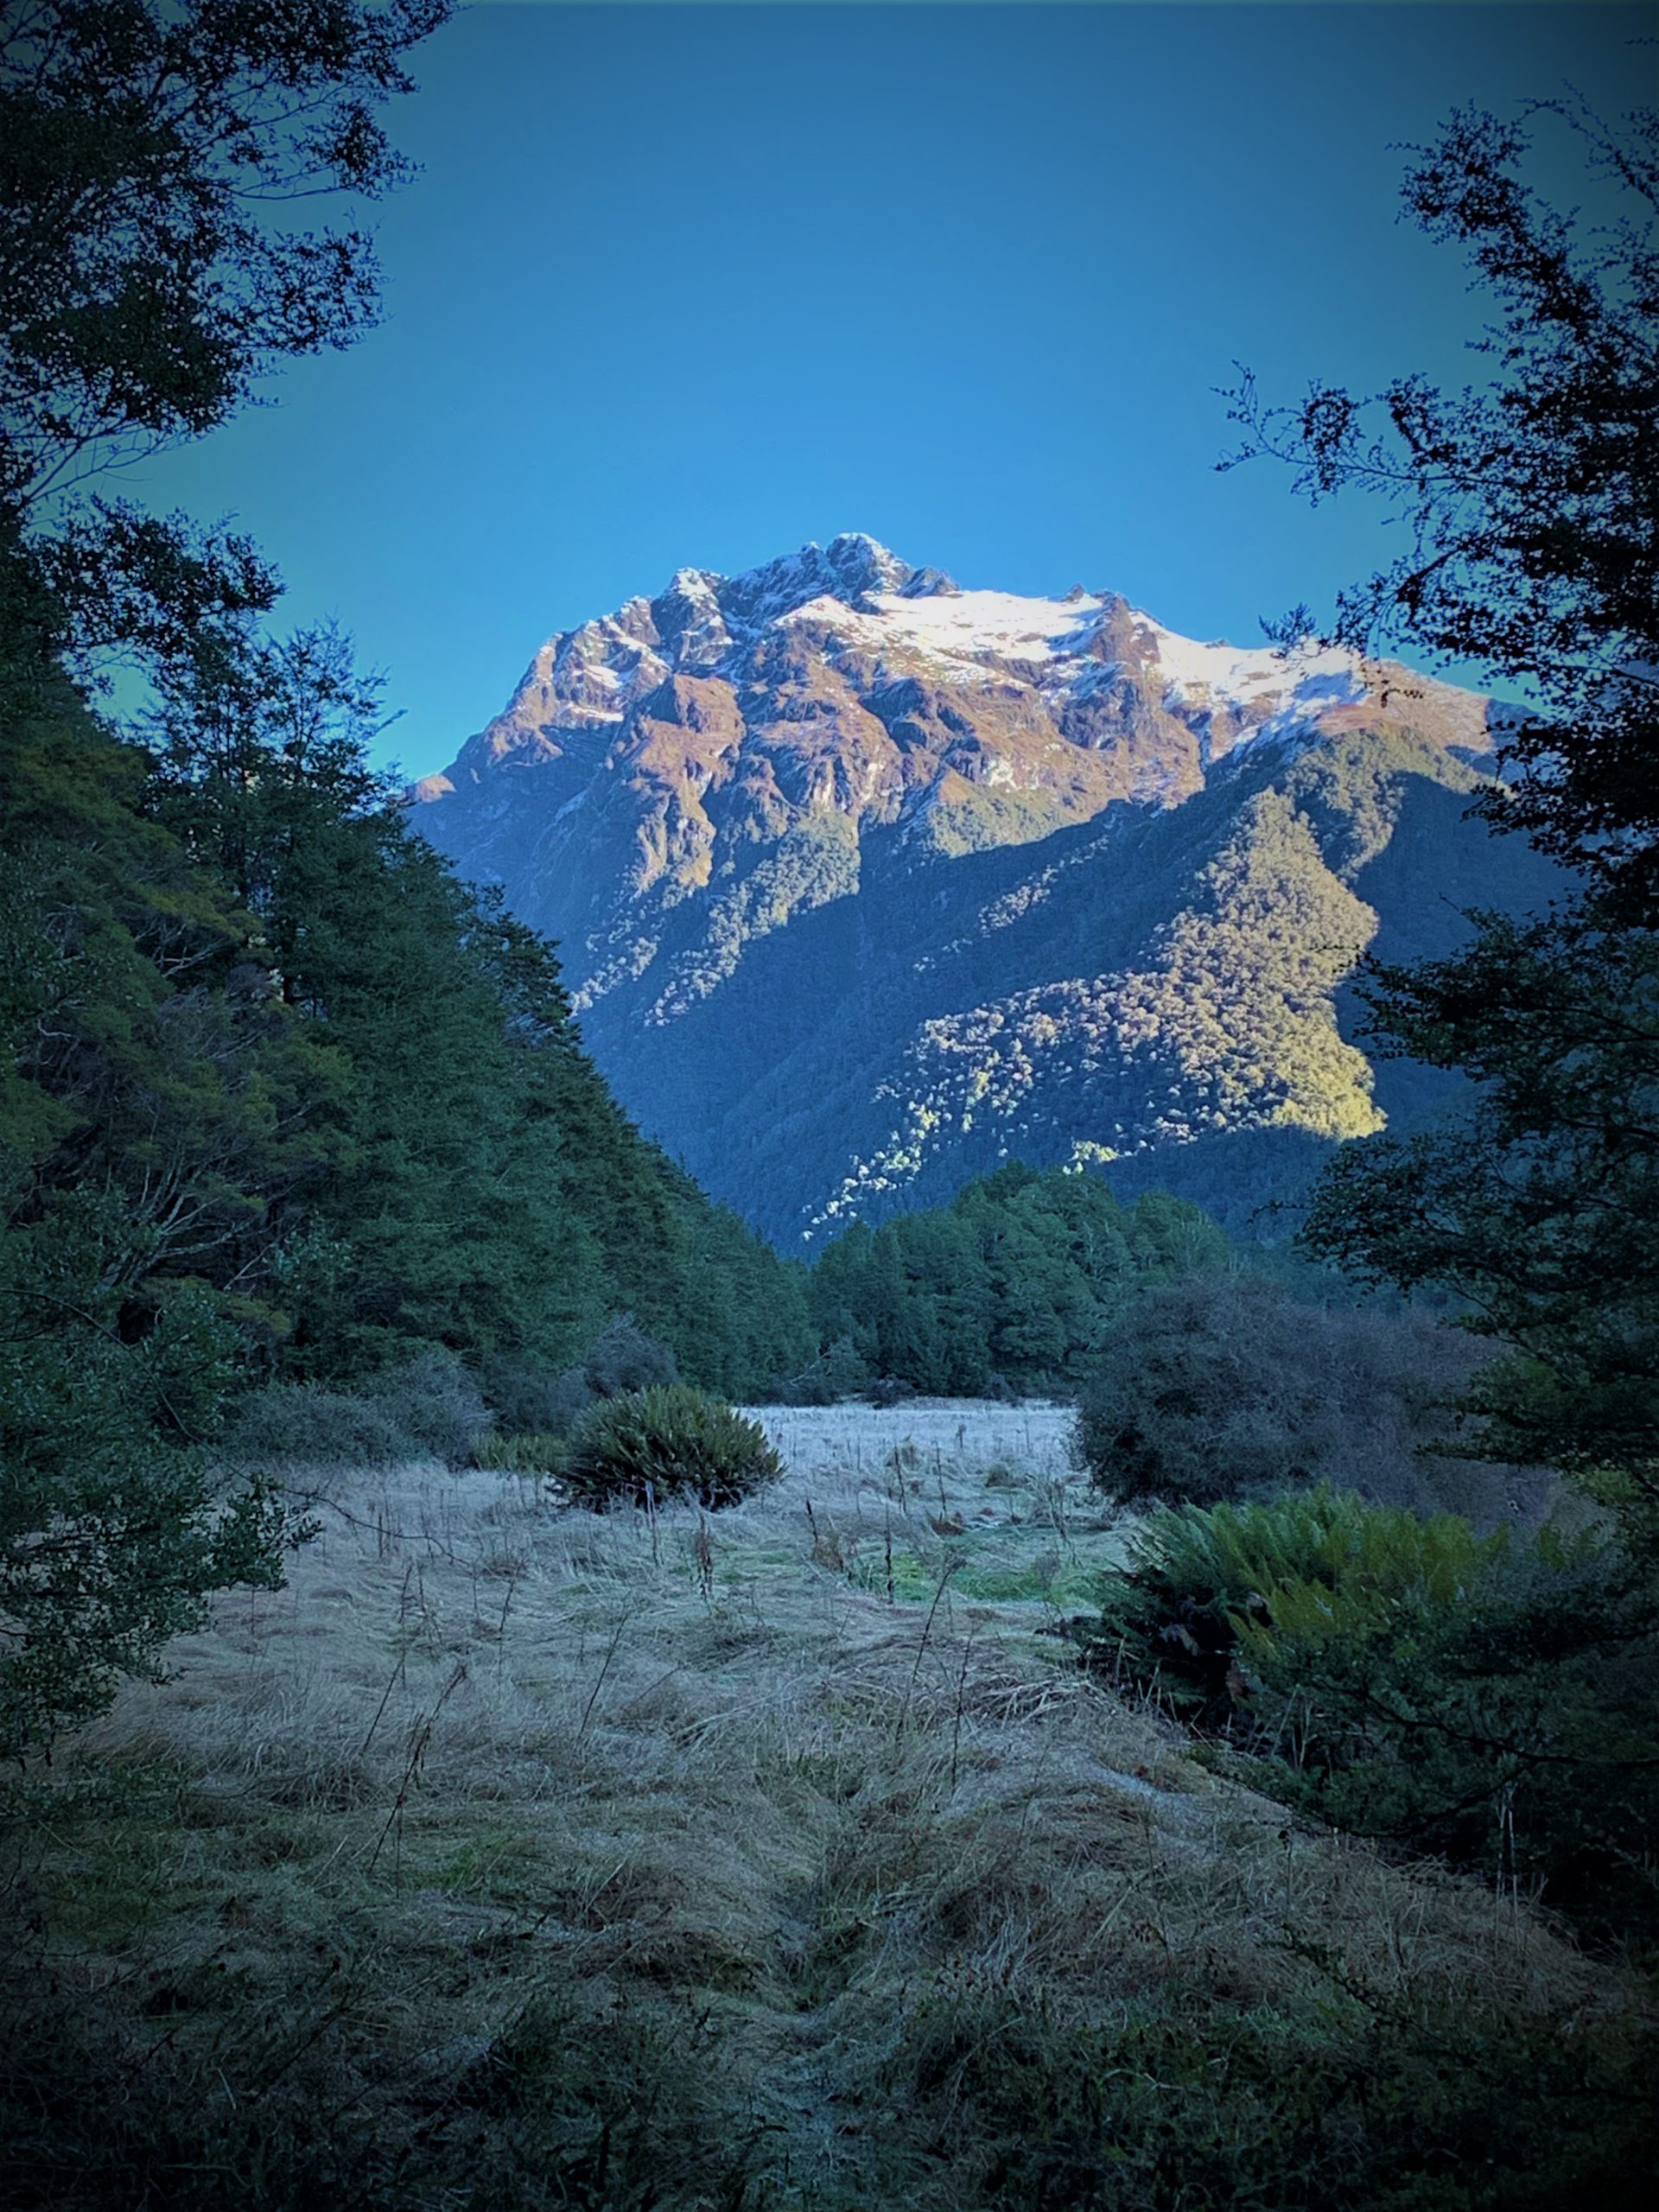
(533, 1454)
(1488, 1701)
(668, 1442)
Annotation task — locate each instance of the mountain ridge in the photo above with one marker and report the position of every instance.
(1036, 866)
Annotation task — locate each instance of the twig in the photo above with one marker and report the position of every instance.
(593, 1695)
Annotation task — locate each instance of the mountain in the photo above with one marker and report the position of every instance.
(864, 881)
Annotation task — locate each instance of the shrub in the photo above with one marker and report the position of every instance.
(535, 1400)
(623, 1360)
(304, 1423)
(1221, 1387)
(889, 1390)
(668, 1442)
(543, 1402)
(1491, 1701)
(534, 1454)
(432, 1400)
(114, 1532)
(1205, 1588)
(837, 1373)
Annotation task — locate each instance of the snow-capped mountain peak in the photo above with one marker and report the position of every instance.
(839, 850)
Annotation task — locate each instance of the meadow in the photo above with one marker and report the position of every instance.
(781, 1856)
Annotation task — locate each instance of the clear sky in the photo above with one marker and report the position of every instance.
(691, 285)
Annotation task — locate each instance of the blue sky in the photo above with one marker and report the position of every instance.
(691, 285)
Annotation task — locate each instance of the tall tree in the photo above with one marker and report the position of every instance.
(1529, 499)
(160, 1103)
(1531, 502)
(153, 158)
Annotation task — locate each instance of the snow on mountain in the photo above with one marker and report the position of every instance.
(837, 831)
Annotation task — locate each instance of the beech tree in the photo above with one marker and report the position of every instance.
(1532, 547)
(153, 160)
(159, 1105)
(1529, 499)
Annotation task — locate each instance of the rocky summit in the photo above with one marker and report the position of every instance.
(866, 881)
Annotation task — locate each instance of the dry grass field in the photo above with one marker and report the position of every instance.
(514, 1855)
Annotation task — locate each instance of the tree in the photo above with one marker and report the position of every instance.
(1533, 527)
(149, 157)
(1530, 501)
(162, 1107)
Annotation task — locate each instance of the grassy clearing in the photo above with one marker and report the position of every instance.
(512, 1856)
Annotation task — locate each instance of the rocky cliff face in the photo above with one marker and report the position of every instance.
(864, 880)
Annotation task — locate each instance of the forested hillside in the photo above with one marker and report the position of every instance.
(268, 1056)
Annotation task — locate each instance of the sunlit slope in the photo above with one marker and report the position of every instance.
(865, 883)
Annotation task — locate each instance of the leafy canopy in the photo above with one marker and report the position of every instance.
(1530, 503)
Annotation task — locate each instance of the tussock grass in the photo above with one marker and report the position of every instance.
(519, 1856)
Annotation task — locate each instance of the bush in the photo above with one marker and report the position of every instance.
(888, 1391)
(542, 1401)
(535, 1400)
(113, 1531)
(1205, 1589)
(431, 1400)
(1222, 1387)
(836, 1374)
(668, 1442)
(1492, 1702)
(305, 1423)
(623, 1360)
(534, 1454)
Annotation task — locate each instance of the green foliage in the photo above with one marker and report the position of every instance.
(1526, 499)
(434, 1402)
(523, 1452)
(113, 1530)
(427, 1406)
(1204, 1585)
(623, 1358)
(1494, 1702)
(150, 280)
(1379, 2104)
(664, 1443)
(837, 1373)
(1514, 1730)
(279, 1097)
(1225, 1384)
(307, 1424)
(1527, 503)
(162, 1106)
(1539, 1206)
(1017, 1281)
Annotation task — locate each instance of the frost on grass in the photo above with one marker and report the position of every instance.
(698, 1852)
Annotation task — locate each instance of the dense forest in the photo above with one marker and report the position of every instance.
(283, 1102)
(1012, 1286)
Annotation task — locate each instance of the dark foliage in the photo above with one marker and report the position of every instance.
(280, 1099)
(1539, 1206)
(1494, 1702)
(1225, 1385)
(1528, 500)
(672, 1442)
